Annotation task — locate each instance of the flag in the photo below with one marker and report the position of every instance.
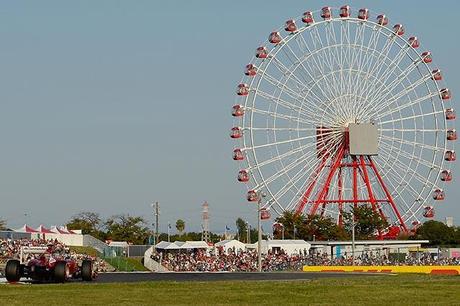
(227, 227)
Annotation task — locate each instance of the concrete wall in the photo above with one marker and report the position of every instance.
(151, 264)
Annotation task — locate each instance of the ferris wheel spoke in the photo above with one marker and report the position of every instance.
(402, 106)
(430, 114)
(283, 156)
(382, 103)
(390, 69)
(429, 165)
(420, 145)
(414, 130)
(297, 96)
(422, 180)
(308, 114)
(277, 115)
(305, 71)
(299, 175)
(291, 140)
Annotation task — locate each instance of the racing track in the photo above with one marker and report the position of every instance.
(223, 276)
(130, 277)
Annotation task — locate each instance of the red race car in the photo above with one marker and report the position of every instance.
(42, 265)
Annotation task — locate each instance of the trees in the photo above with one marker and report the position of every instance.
(2, 225)
(438, 233)
(309, 227)
(242, 229)
(127, 228)
(89, 223)
(180, 226)
(367, 222)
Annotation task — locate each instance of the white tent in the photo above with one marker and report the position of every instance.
(195, 245)
(290, 247)
(228, 245)
(162, 244)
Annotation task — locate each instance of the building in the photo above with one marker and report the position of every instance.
(383, 247)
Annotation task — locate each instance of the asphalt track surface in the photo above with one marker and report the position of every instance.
(132, 277)
(225, 276)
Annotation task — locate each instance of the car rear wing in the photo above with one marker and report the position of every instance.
(26, 250)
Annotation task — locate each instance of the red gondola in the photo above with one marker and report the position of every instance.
(242, 89)
(264, 214)
(450, 114)
(446, 175)
(428, 212)
(398, 29)
(236, 132)
(261, 52)
(451, 134)
(238, 154)
(450, 155)
(445, 94)
(326, 12)
(438, 195)
(426, 57)
(307, 18)
(414, 42)
(290, 26)
(250, 70)
(345, 11)
(243, 176)
(237, 110)
(252, 196)
(363, 14)
(275, 37)
(382, 20)
(436, 75)
(416, 223)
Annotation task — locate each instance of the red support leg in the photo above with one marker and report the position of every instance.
(303, 201)
(340, 197)
(355, 183)
(332, 170)
(387, 193)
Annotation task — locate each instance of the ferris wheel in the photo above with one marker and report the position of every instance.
(339, 109)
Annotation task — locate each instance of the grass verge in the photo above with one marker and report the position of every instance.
(381, 290)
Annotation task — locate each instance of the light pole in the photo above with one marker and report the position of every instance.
(259, 230)
(294, 231)
(353, 237)
(169, 234)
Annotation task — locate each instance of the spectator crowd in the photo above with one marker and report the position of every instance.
(246, 261)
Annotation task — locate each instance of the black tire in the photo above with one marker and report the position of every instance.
(13, 270)
(87, 270)
(60, 273)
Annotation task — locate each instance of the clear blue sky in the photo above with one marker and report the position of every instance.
(107, 106)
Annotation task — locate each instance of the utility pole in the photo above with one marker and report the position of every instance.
(205, 222)
(156, 213)
(259, 229)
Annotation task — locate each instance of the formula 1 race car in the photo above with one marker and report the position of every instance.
(38, 264)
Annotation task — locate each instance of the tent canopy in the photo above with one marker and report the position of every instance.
(26, 229)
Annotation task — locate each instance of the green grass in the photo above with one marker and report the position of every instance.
(381, 290)
(126, 263)
(85, 250)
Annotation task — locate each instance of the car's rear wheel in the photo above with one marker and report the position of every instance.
(61, 272)
(87, 270)
(13, 270)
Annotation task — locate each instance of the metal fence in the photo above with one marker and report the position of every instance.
(14, 235)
